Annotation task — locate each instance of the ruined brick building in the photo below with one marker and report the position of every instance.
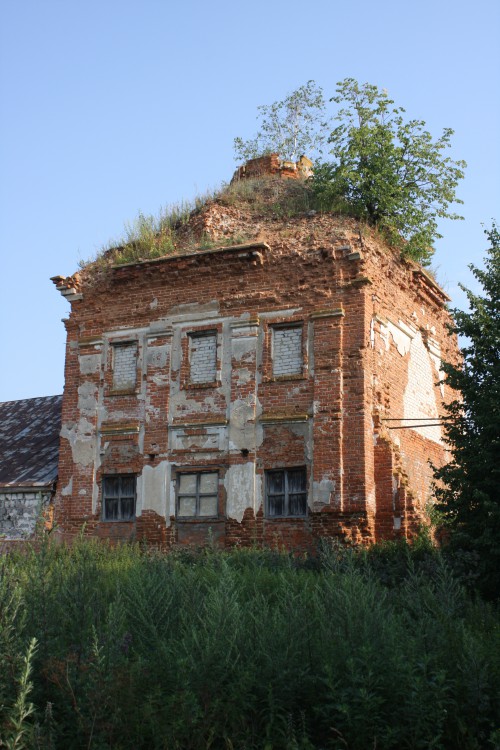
(276, 387)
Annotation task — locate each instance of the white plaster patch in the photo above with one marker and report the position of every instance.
(89, 363)
(241, 426)
(206, 438)
(153, 489)
(68, 489)
(82, 439)
(241, 490)
(322, 491)
(402, 336)
(435, 355)
(157, 356)
(87, 398)
(419, 400)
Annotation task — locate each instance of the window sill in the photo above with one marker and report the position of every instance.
(281, 378)
(286, 518)
(198, 519)
(122, 392)
(202, 386)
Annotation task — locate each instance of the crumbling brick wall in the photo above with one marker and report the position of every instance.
(306, 353)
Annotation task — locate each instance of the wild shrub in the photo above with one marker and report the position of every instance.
(247, 649)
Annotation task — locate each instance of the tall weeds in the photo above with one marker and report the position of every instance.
(245, 650)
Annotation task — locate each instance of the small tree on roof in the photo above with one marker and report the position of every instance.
(294, 126)
(387, 171)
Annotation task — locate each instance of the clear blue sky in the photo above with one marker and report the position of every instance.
(115, 106)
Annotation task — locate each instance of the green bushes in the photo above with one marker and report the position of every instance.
(245, 649)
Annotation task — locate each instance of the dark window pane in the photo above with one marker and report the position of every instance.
(276, 505)
(286, 492)
(275, 482)
(296, 480)
(128, 486)
(111, 509)
(112, 486)
(297, 504)
(127, 508)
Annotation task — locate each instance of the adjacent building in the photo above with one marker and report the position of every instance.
(29, 451)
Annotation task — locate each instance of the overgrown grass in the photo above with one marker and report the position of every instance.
(244, 649)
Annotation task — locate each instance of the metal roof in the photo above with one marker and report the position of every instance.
(29, 441)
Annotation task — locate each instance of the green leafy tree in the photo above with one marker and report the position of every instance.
(387, 171)
(292, 127)
(469, 498)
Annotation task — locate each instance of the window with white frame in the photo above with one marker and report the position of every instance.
(124, 366)
(286, 492)
(198, 494)
(203, 357)
(118, 497)
(287, 350)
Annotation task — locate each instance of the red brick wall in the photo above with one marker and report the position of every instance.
(365, 481)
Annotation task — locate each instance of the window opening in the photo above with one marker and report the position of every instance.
(124, 366)
(203, 357)
(197, 494)
(286, 492)
(118, 497)
(287, 350)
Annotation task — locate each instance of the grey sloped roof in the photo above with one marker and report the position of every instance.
(29, 440)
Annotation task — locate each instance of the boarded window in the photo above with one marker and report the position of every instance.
(198, 494)
(118, 497)
(124, 366)
(203, 357)
(286, 493)
(287, 351)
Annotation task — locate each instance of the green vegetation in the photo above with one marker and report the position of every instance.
(384, 170)
(295, 126)
(244, 650)
(387, 171)
(469, 499)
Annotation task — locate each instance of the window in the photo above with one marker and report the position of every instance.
(287, 350)
(118, 497)
(203, 357)
(197, 494)
(286, 493)
(124, 366)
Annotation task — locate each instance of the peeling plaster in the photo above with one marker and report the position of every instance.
(241, 426)
(322, 491)
(152, 490)
(89, 363)
(68, 489)
(419, 399)
(157, 356)
(242, 489)
(402, 336)
(87, 398)
(82, 439)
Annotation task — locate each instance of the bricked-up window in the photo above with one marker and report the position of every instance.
(287, 350)
(286, 493)
(203, 357)
(197, 494)
(118, 497)
(124, 366)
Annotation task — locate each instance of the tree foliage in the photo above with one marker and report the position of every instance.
(292, 127)
(469, 501)
(388, 171)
